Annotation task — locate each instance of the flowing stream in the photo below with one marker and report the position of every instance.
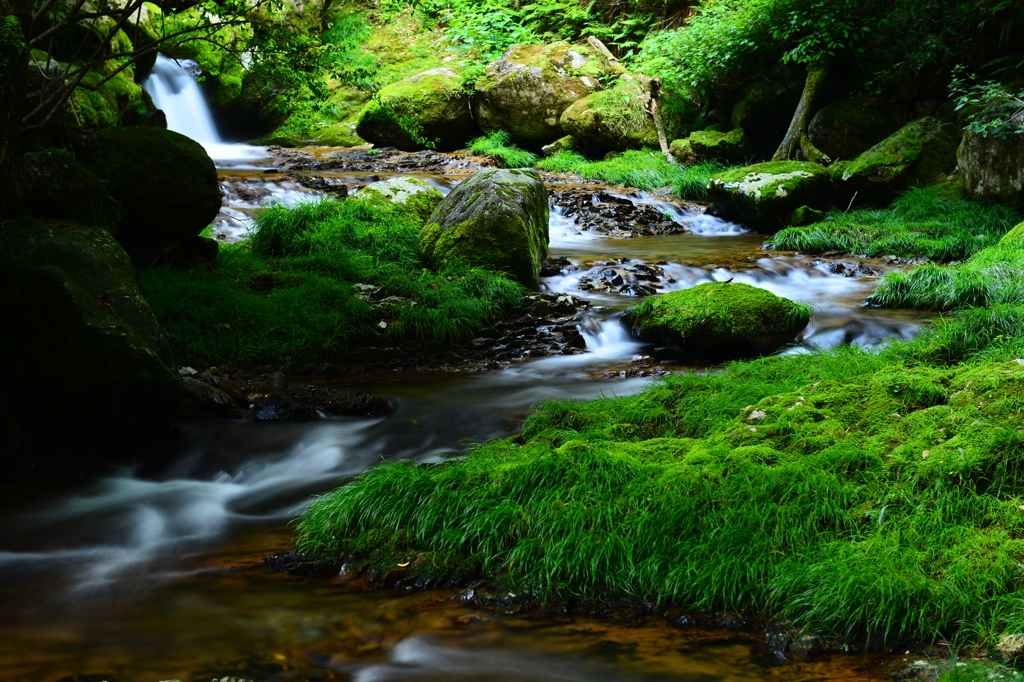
(153, 572)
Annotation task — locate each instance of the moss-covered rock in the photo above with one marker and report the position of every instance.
(615, 118)
(54, 184)
(765, 107)
(1016, 235)
(993, 167)
(918, 154)
(767, 193)
(427, 109)
(77, 330)
(166, 183)
(719, 321)
(852, 125)
(561, 144)
(497, 219)
(526, 91)
(419, 196)
(705, 145)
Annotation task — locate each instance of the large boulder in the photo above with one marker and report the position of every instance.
(766, 194)
(920, 153)
(765, 107)
(718, 321)
(616, 118)
(526, 91)
(850, 126)
(54, 184)
(993, 167)
(706, 145)
(86, 361)
(166, 183)
(427, 109)
(416, 195)
(497, 219)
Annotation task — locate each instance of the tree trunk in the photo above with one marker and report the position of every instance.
(817, 72)
(13, 72)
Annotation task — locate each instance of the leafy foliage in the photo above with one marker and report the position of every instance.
(992, 109)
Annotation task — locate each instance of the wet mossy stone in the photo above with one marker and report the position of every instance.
(615, 118)
(53, 184)
(1014, 236)
(419, 196)
(706, 145)
(561, 144)
(718, 321)
(850, 126)
(526, 91)
(87, 347)
(497, 219)
(993, 167)
(766, 194)
(166, 183)
(919, 154)
(428, 107)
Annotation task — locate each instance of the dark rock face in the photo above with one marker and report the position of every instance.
(199, 400)
(850, 126)
(54, 184)
(993, 168)
(166, 183)
(303, 402)
(76, 327)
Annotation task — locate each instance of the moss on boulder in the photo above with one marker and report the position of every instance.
(705, 145)
(850, 126)
(429, 108)
(54, 184)
(615, 118)
(718, 321)
(79, 332)
(166, 183)
(419, 196)
(526, 91)
(767, 193)
(993, 167)
(497, 219)
(918, 154)
(1014, 236)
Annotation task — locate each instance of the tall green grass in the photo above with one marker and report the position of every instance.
(285, 296)
(919, 223)
(497, 145)
(642, 169)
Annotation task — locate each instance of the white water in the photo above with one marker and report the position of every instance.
(175, 91)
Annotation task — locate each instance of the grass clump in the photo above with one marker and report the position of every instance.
(287, 295)
(642, 169)
(920, 223)
(497, 146)
(852, 492)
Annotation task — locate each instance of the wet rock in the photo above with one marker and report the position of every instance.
(497, 219)
(718, 321)
(300, 565)
(53, 184)
(559, 265)
(1009, 648)
(767, 193)
(419, 196)
(427, 109)
(304, 402)
(199, 400)
(613, 215)
(616, 118)
(618, 276)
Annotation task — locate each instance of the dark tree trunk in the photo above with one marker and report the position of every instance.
(796, 139)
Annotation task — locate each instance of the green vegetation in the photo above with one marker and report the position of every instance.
(850, 491)
(287, 295)
(643, 169)
(920, 223)
(496, 145)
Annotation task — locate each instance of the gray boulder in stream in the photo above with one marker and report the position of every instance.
(497, 219)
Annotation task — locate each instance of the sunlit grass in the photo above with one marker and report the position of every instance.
(497, 146)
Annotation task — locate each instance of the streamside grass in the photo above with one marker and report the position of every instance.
(920, 223)
(497, 145)
(642, 169)
(286, 295)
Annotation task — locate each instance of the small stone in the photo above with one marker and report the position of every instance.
(757, 415)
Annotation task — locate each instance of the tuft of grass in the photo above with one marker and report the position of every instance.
(642, 169)
(497, 146)
(920, 223)
(286, 295)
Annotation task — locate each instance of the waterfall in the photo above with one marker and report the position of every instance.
(175, 90)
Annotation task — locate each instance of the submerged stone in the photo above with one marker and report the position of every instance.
(419, 196)
(497, 219)
(718, 321)
(768, 193)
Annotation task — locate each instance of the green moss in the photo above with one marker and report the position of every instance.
(412, 194)
(1015, 235)
(769, 192)
(614, 118)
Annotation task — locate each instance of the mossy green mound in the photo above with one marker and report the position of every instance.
(429, 109)
(917, 155)
(850, 126)
(719, 321)
(615, 118)
(708, 145)
(526, 91)
(166, 183)
(497, 219)
(767, 193)
(418, 196)
(1016, 235)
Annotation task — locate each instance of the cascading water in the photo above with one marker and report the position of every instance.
(175, 91)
